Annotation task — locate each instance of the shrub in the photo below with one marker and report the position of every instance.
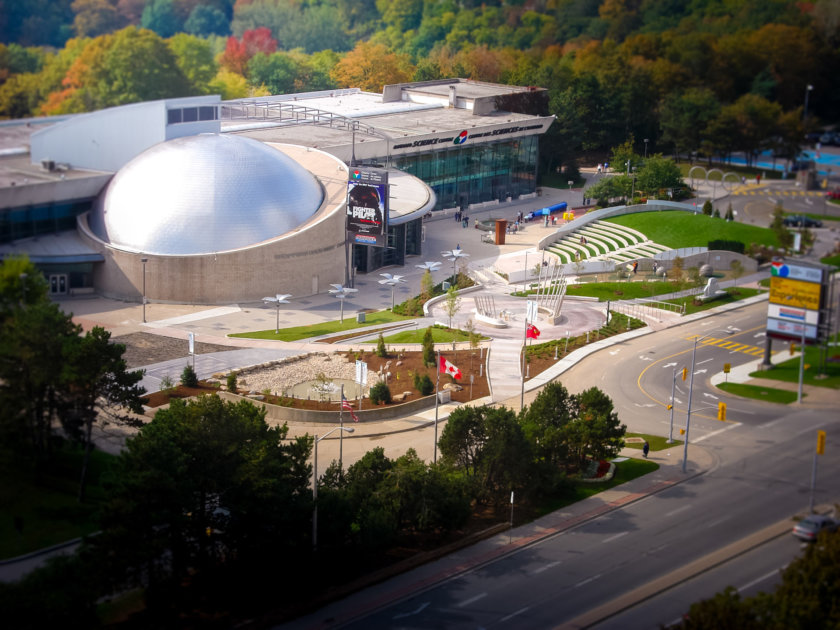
(380, 394)
(707, 208)
(726, 245)
(231, 382)
(167, 384)
(428, 348)
(188, 377)
(423, 384)
(381, 350)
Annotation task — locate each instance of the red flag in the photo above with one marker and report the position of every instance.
(345, 404)
(532, 332)
(447, 368)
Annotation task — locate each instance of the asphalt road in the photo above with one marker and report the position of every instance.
(764, 457)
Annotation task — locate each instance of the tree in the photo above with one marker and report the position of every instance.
(783, 234)
(277, 72)
(20, 95)
(543, 422)
(381, 350)
(685, 117)
(160, 16)
(429, 348)
(239, 52)
(707, 208)
(604, 433)
(380, 393)
(658, 174)
(95, 17)
(194, 58)
(427, 284)
(188, 376)
(205, 20)
(206, 483)
(452, 304)
(371, 67)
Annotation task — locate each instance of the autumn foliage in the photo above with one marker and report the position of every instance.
(239, 52)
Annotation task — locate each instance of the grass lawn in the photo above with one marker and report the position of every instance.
(831, 260)
(768, 394)
(788, 371)
(656, 442)
(684, 229)
(732, 295)
(49, 509)
(440, 335)
(626, 290)
(296, 333)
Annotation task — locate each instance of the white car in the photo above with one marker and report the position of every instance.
(810, 526)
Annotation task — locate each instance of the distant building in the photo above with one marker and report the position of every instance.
(232, 201)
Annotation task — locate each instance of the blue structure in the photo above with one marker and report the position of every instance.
(548, 210)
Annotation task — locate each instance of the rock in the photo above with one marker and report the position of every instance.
(454, 387)
(256, 396)
(399, 363)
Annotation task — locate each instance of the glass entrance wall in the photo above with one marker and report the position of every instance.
(466, 174)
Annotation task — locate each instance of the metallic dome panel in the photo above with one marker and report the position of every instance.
(203, 194)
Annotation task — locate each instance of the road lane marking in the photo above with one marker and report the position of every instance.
(718, 521)
(708, 435)
(548, 566)
(702, 362)
(419, 609)
(514, 614)
(678, 510)
(471, 600)
(611, 538)
(588, 580)
(772, 573)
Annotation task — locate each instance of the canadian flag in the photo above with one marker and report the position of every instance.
(532, 332)
(447, 368)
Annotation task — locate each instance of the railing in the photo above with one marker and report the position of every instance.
(646, 309)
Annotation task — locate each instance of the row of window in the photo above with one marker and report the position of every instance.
(178, 115)
(20, 223)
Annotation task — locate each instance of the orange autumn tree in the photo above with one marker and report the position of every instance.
(239, 52)
(370, 67)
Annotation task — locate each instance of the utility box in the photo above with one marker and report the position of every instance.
(360, 318)
(444, 396)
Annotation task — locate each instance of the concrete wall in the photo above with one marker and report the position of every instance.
(290, 414)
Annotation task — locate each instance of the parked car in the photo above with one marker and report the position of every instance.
(811, 526)
(833, 194)
(801, 220)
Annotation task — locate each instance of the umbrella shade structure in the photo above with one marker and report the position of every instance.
(454, 255)
(280, 298)
(341, 293)
(393, 281)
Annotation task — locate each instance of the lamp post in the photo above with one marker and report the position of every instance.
(454, 255)
(646, 143)
(341, 293)
(315, 483)
(279, 299)
(671, 430)
(808, 89)
(690, 392)
(144, 261)
(393, 281)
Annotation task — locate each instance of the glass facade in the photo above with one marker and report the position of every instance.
(467, 174)
(17, 223)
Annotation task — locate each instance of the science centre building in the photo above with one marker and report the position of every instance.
(202, 201)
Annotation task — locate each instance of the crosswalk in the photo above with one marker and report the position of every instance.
(733, 346)
(769, 192)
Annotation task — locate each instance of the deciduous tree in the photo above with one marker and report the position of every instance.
(371, 67)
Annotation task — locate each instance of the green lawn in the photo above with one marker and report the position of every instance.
(440, 335)
(788, 371)
(831, 260)
(683, 229)
(626, 290)
(768, 394)
(49, 510)
(296, 333)
(732, 295)
(656, 442)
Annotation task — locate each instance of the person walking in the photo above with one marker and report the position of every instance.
(646, 449)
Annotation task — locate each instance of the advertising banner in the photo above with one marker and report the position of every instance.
(795, 272)
(367, 206)
(787, 313)
(796, 293)
(790, 330)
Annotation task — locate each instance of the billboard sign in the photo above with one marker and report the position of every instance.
(797, 293)
(367, 206)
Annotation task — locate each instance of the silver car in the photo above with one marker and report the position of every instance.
(810, 526)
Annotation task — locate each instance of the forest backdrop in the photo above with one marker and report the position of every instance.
(712, 76)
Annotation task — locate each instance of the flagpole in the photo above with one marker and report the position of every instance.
(341, 432)
(437, 383)
(522, 363)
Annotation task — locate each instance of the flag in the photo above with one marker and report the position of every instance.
(345, 404)
(532, 332)
(447, 368)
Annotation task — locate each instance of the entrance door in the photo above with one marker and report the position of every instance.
(58, 284)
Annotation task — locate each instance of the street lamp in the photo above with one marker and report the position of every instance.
(341, 293)
(315, 483)
(691, 391)
(646, 142)
(144, 261)
(279, 299)
(808, 89)
(393, 281)
(454, 255)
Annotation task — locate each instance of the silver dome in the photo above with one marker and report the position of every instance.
(203, 194)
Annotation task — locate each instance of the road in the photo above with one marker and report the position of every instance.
(763, 454)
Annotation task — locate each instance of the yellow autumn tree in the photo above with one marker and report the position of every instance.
(370, 67)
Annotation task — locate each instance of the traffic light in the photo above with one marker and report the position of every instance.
(792, 348)
(669, 407)
(685, 373)
(722, 411)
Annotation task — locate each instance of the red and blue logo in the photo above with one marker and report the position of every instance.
(356, 174)
(462, 138)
